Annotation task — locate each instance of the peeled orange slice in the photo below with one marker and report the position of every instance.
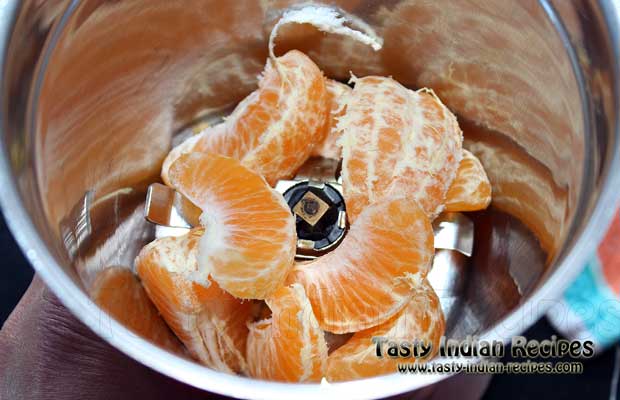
(336, 98)
(250, 239)
(422, 320)
(289, 346)
(270, 131)
(471, 189)
(118, 291)
(193, 144)
(210, 322)
(368, 278)
(398, 142)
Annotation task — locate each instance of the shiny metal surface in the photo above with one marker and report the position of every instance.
(454, 231)
(92, 92)
(165, 206)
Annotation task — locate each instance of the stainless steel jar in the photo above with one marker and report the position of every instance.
(93, 91)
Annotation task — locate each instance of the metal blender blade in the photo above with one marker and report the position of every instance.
(166, 207)
(454, 231)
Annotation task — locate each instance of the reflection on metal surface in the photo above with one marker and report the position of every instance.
(522, 186)
(109, 230)
(454, 231)
(167, 207)
(76, 228)
(508, 262)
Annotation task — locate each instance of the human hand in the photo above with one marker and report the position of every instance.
(47, 353)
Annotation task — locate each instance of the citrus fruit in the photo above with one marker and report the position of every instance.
(209, 321)
(397, 142)
(471, 189)
(329, 20)
(250, 239)
(368, 278)
(269, 131)
(336, 98)
(196, 143)
(422, 320)
(117, 291)
(289, 346)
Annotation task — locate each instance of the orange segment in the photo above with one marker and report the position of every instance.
(421, 319)
(368, 278)
(471, 189)
(336, 98)
(273, 129)
(289, 346)
(397, 142)
(117, 291)
(210, 322)
(250, 240)
(195, 143)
